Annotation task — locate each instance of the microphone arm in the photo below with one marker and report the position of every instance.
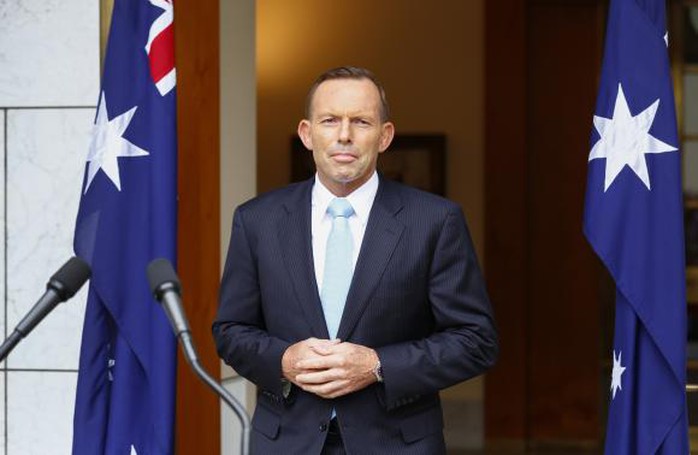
(60, 287)
(193, 360)
(43, 307)
(166, 288)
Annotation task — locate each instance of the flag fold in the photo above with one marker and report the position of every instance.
(125, 401)
(634, 221)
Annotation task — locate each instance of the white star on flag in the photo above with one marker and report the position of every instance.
(617, 373)
(108, 144)
(110, 369)
(625, 140)
(133, 450)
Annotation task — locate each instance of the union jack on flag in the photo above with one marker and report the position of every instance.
(160, 48)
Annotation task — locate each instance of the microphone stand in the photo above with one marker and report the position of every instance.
(193, 360)
(166, 289)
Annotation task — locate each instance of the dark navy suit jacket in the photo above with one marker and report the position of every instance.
(417, 297)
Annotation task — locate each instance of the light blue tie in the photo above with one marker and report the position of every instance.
(338, 265)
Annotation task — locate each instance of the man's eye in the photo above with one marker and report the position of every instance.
(329, 120)
(361, 121)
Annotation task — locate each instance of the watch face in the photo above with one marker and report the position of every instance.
(285, 387)
(378, 372)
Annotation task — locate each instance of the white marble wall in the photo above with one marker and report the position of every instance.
(2, 224)
(45, 159)
(49, 52)
(2, 273)
(49, 82)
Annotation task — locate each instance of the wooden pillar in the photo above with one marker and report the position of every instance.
(197, 60)
(564, 310)
(506, 248)
(543, 61)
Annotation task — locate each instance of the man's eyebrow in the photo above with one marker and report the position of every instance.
(365, 114)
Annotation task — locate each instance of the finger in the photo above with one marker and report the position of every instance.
(324, 347)
(329, 389)
(343, 348)
(320, 363)
(341, 390)
(318, 377)
(306, 354)
(313, 365)
(308, 350)
(323, 351)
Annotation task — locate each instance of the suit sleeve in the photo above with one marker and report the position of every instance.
(464, 341)
(239, 330)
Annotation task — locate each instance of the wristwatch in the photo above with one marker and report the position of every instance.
(285, 387)
(378, 372)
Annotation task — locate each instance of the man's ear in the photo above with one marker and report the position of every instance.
(304, 133)
(387, 134)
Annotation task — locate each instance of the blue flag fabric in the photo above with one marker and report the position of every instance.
(125, 401)
(634, 221)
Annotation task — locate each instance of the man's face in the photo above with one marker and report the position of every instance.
(345, 133)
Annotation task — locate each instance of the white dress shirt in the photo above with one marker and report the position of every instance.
(360, 199)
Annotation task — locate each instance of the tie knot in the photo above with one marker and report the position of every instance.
(340, 207)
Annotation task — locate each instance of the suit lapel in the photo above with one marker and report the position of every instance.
(380, 239)
(297, 253)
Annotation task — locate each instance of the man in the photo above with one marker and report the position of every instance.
(348, 299)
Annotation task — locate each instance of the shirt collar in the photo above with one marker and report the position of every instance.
(361, 199)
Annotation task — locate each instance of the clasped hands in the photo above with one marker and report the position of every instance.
(329, 368)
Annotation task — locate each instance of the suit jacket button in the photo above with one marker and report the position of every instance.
(323, 427)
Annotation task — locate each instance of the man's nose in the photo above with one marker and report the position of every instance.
(345, 132)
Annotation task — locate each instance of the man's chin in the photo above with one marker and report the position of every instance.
(351, 180)
(345, 179)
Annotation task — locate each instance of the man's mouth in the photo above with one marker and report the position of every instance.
(343, 157)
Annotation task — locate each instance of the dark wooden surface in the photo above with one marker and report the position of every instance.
(197, 60)
(564, 311)
(506, 245)
(542, 65)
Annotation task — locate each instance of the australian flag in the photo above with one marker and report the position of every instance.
(634, 221)
(126, 384)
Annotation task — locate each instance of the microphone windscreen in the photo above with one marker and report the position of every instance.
(71, 277)
(160, 271)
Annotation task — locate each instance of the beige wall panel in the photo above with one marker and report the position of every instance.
(429, 55)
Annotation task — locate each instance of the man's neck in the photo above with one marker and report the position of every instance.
(340, 189)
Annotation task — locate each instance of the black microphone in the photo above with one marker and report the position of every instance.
(166, 288)
(60, 287)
